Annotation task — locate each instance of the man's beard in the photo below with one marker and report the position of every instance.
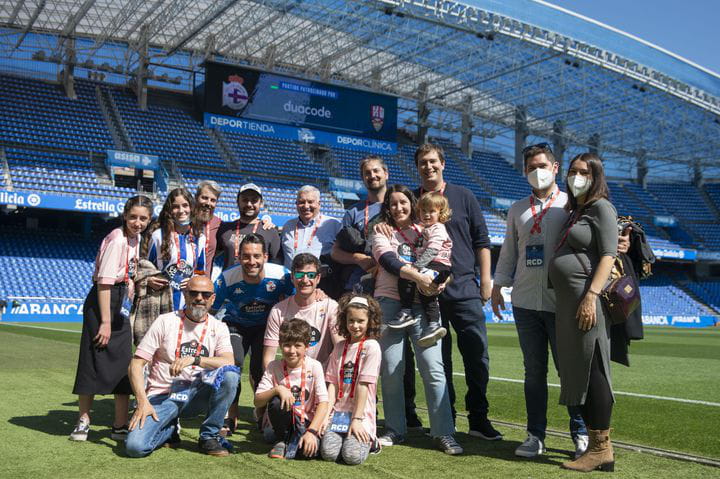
(196, 312)
(204, 215)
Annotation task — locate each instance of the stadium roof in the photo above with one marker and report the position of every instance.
(488, 57)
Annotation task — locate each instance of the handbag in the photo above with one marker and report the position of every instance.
(621, 296)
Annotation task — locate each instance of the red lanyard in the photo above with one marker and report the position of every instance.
(237, 238)
(302, 387)
(180, 334)
(312, 234)
(367, 217)
(412, 245)
(442, 190)
(356, 369)
(126, 280)
(573, 219)
(537, 219)
(176, 237)
(207, 242)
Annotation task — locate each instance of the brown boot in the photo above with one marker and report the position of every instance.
(599, 454)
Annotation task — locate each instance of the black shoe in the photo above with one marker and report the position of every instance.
(119, 433)
(174, 440)
(485, 430)
(212, 447)
(413, 422)
(402, 320)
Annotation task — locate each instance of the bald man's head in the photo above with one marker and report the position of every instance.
(199, 297)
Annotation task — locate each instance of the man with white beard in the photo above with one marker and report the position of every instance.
(190, 359)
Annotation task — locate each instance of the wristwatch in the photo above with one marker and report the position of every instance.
(197, 361)
(313, 432)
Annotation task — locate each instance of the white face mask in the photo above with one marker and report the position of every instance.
(540, 178)
(579, 185)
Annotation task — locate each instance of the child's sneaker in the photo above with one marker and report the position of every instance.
(119, 433)
(404, 319)
(278, 450)
(431, 335)
(80, 433)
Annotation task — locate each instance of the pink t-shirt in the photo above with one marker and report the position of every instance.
(315, 389)
(116, 252)
(320, 315)
(436, 237)
(368, 372)
(404, 248)
(160, 343)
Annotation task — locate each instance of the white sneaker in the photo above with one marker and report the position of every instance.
(581, 444)
(80, 433)
(532, 447)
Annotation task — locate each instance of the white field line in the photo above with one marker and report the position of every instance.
(494, 378)
(619, 393)
(40, 327)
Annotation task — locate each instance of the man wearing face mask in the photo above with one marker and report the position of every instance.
(534, 224)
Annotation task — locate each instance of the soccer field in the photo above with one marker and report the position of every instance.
(668, 399)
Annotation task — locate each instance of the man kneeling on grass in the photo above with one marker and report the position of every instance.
(294, 391)
(191, 372)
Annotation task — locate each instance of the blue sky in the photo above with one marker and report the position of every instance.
(689, 28)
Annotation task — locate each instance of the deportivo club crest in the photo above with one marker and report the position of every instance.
(377, 116)
(234, 94)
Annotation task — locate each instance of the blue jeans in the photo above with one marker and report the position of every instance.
(468, 320)
(535, 329)
(429, 362)
(202, 398)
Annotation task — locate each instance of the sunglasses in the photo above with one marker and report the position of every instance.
(205, 294)
(302, 274)
(543, 146)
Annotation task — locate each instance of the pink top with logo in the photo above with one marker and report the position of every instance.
(111, 260)
(160, 343)
(368, 372)
(436, 237)
(320, 315)
(315, 390)
(386, 283)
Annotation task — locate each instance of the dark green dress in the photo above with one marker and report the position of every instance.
(593, 236)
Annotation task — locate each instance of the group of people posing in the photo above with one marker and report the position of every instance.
(349, 302)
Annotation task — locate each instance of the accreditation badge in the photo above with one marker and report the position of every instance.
(534, 256)
(340, 422)
(178, 272)
(125, 306)
(180, 391)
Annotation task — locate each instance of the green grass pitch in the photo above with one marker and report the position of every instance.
(38, 412)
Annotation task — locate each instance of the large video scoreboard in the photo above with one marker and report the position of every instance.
(267, 104)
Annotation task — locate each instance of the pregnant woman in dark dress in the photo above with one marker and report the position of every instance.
(588, 244)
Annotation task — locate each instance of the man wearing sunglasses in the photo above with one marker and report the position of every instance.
(245, 294)
(178, 348)
(309, 304)
(534, 224)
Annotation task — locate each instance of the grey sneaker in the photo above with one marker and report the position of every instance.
(391, 438)
(449, 445)
(581, 444)
(80, 433)
(532, 447)
(431, 335)
(278, 450)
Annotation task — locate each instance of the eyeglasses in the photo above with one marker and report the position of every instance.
(205, 294)
(302, 274)
(543, 146)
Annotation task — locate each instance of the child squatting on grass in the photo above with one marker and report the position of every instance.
(293, 389)
(352, 372)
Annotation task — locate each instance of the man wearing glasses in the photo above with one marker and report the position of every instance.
(245, 294)
(179, 348)
(534, 224)
(308, 303)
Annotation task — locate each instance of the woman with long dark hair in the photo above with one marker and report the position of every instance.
(395, 253)
(177, 247)
(106, 341)
(579, 271)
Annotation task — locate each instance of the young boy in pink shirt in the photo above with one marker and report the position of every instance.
(352, 373)
(294, 392)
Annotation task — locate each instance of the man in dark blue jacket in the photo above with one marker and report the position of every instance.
(461, 303)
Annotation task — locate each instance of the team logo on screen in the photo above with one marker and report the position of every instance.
(377, 116)
(234, 94)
